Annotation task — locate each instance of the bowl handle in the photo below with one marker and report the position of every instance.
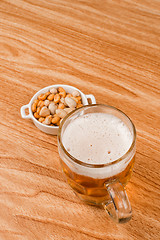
(90, 96)
(23, 114)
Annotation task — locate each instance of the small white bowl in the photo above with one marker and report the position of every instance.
(52, 129)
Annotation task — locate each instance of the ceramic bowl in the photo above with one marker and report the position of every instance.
(52, 129)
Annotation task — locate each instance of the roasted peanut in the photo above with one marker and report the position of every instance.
(61, 106)
(38, 110)
(47, 94)
(50, 97)
(60, 89)
(46, 102)
(41, 119)
(34, 107)
(55, 119)
(56, 98)
(48, 120)
(69, 95)
(53, 90)
(58, 123)
(61, 113)
(40, 103)
(42, 97)
(36, 101)
(70, 102)
(52, 107)
(36, 115)
(44, 112)
(78, 98)
(62, 92)
(75, 93)
(79, 105)
(75, 99)
(62, 100)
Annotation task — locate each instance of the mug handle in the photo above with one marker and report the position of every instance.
(93, 100)
(23, 114)
(119, 208)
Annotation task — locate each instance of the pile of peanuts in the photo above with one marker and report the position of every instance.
(50, 107)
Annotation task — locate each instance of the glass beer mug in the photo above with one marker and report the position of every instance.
(97, 152)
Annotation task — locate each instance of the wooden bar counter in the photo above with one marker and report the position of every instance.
(108, 48)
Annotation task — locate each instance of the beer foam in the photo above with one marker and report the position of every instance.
(97, 138)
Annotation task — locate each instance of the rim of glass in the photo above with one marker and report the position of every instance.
(88, 164)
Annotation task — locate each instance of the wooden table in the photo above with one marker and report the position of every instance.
(107, 48)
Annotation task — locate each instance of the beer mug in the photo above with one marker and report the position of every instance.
(96, 146)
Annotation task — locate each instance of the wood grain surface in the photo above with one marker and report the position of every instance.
(109, 48)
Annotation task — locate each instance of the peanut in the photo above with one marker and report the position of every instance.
(36, 101)
(44, 112)
(70, 102)
(62, 100)
(61, 113)
(75, 99)
(55, 115)
(52, 107)
(53, 90)
(40, 103)
(56, 98)
(78, 98)
(79, 105)
(55, 119)
(34, 107)
(69, 95)
(36, 115)
(47, 94)
(42, 97)
(41, 119)
(61, 106)
(75, 93)
(38, 110)
(62, 92)
(58, 123)
(46, 102)
(60, 89)
(48, 120)
(50, 97)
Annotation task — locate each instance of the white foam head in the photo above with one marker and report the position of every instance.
(97, 138)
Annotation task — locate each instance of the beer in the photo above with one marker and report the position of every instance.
(95, 141)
